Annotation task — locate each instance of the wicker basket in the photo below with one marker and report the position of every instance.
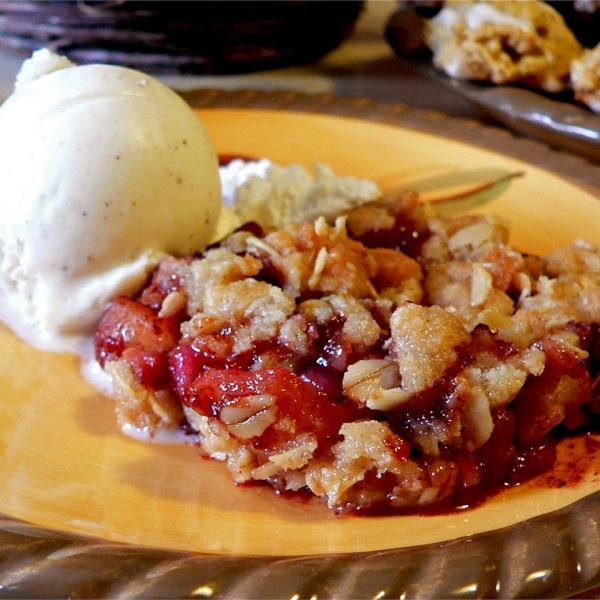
(219, 37)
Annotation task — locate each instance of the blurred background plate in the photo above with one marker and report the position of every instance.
(561, 124)
(554, 120)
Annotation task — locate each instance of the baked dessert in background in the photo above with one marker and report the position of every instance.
(503, 42)
(585, 78)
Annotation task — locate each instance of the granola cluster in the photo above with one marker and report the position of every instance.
(388, 359)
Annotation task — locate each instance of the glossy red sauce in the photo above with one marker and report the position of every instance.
(405, 236)
(300, 404)
(578, 462)
(225, 159)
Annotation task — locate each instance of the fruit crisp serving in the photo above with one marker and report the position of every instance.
(388, 359)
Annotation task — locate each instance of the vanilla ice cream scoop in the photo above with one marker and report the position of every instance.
(103, 169)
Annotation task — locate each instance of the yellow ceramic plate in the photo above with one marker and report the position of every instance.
(66, 466)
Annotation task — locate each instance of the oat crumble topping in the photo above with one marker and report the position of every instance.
(387, 359)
